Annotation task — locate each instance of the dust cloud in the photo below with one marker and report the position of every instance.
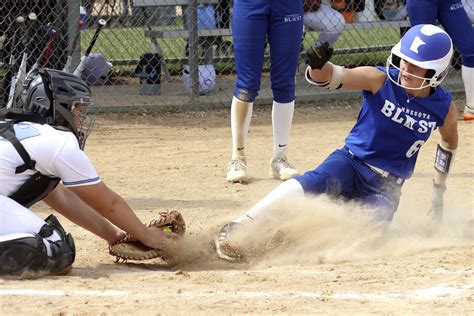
(319, 230)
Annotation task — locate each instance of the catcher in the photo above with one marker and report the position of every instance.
(42, 158)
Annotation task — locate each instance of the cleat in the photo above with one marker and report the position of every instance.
(237, 171)
(281, 169)
(468, 113)
(223, 247)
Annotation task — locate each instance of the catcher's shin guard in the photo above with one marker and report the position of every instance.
(63, 255)
(63, 251)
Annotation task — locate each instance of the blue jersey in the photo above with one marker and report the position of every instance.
(392, 126)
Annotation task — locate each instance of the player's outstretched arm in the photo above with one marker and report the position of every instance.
(73, 208)
(321, 72)
(113, 207)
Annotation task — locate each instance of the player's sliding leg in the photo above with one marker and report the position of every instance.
(227, 247)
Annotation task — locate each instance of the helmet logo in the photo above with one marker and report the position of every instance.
(417, 42)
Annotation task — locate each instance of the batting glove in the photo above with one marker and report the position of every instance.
(318, 54)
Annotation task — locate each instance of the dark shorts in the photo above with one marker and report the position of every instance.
(343, 175)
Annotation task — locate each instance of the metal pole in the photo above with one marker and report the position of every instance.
(193, 49)
(72, 25)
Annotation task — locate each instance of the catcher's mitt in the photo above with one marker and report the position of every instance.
(129, 248)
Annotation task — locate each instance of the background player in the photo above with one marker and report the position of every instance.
(401, 106)
(253, 21)
(34, 158)
(322, 17)
(454, 19)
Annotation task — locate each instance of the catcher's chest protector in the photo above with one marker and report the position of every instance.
(38, 185)
(34, 189)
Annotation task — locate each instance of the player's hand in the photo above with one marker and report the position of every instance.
(318, 54)
(437, 203)
(157, 238)
(118, 235)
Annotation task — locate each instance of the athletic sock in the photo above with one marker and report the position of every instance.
(240, 116)
(288, 189)
(468, 79)
(282, 118)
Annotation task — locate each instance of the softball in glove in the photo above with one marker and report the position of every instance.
(129, 248)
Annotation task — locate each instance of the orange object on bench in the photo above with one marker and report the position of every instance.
(346, 7)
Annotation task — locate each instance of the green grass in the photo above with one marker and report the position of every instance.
(130, 43)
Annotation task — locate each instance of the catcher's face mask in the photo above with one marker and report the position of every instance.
(83, 122)
(69, 98)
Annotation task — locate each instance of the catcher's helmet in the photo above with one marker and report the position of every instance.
(426, 46)
(56, 95)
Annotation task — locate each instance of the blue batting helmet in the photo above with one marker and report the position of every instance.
(426, 46)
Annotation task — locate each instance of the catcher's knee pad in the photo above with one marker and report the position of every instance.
(21, 253)
(245, 95)
(28, 253)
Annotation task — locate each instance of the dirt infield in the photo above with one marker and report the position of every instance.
(321, 261)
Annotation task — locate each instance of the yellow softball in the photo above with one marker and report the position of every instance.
(167, 229)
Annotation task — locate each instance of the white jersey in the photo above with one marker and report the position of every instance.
(57, 154)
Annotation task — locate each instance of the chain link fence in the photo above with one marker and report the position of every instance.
(177, 53)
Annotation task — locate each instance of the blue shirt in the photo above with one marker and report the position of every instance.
(392, 126)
